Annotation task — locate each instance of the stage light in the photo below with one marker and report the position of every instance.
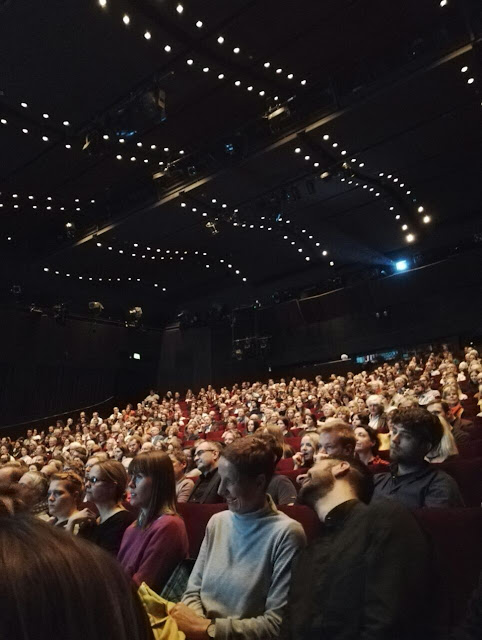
(401, 265)
(420, 209)
(24, 105)
(147, 35)
(221, 40)
(464, 69)
(426, 219)
(410, 237)
(199, 24)
(168, 48)
(103, 3)
(179, 8)
(3, 121)
(66, 123)
(96, 307)
(236, 50)
(190, 62)
(125, 19)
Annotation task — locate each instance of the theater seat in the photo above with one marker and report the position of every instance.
(217, 436)
(285, 464)
(456, 536)
(293, 474)
(468, 475)
(196, 516)
(294, 441)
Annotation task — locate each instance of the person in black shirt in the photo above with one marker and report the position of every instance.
(105, 486)
(206, 459)
(413, 481)
(366, 575)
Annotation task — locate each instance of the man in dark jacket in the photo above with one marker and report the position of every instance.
(366, 576)
(206, 458)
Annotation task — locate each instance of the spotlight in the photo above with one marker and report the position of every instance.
(212, 227)
(401, 265)
(96, 307)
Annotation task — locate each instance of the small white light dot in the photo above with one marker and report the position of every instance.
(238, 83)
(190, 61)
(24, 130)
(267, 65)
(236, 50)
(332, 264)
(426, 219)
(290, 76)
(262, 93)
(470, 80)
(343, 153)
(250, 88)
(303, 82)
(316, 164)
(46, 268)
(279, 70)
(297, 150)
(206, 69)
(139, 144)
(133, 158)
(420, 209)
(464, 69)
(444, 3)
(103, 3)
(307, 157)
(125, 19)
(362, 164)
(397, 217)
(220, 40)
(410, 237)
(335, 144)
(324, 253)
(307, 258)
(105, 136)
(326, 137)
(24, 105)
(221, 76)
(179, 8)
(119, 157)
(147, 35)
(404, 227)
(3, 121)
(45, 115)
(199, 24)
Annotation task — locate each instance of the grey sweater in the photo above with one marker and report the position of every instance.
(242, 575)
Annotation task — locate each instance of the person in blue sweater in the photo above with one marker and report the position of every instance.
(239, 585)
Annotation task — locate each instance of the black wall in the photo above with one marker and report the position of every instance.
(47, 368)
(440, 301)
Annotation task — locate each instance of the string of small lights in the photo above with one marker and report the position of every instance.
(221, 73)
(44, 203)
(232, 216)
(96, 279)
(152, 253)
(387, 178)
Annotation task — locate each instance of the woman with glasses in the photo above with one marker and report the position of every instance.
(156, 542)
(105, 486)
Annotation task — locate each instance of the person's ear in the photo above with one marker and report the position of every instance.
(340, 469)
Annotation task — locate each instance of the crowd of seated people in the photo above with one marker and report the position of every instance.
(360, 450)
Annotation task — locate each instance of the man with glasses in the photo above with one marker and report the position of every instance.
(206, 459)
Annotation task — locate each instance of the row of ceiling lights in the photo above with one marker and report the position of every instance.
(96, 279)
(410, 237)
(171, 255)
(262, 227)
(221, 40)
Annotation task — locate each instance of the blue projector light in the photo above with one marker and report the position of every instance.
(401, 265)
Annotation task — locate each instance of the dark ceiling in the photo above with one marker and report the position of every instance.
(213, 200)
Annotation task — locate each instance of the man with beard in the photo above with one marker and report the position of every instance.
(366, 575)
(413, 481)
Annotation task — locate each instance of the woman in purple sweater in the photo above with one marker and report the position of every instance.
(157, 541)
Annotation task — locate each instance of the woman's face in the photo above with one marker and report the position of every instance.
(140, 489)
(307, 449)
(356, 422)
(363, 442)
(98, 488)
(178, 467)
(309, 420)
(61, 502)
(451, 397)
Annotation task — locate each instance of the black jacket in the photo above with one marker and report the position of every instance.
(206, 490)
(365, 578)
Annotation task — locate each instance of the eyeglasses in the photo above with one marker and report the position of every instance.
(201, 451)
(94, 480)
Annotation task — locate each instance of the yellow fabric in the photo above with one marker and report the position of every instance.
(163, 626)
(384, 439)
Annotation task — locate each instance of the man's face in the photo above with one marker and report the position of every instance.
(405, 447)
(437, 409)
(318, 482)
(330, 445)
(133, 447)
(61, 503)
(375, 408)
(242, 494)
(205, 457)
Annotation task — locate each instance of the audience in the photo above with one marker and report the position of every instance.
(234, 446)
(156, 542)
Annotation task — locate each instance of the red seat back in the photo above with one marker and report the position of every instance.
(294, 441)
(293, 474)
(285, 464)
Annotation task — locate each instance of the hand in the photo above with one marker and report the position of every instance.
(194, 626)
(81, 517)
(298, 460)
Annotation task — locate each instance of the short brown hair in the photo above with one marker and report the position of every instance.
(252, 457)
(342, 430)
(157, 466)
(422, 424)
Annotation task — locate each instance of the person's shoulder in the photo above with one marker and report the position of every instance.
(288, 527)
(385, 508)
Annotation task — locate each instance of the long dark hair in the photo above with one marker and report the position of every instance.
(54, 585)
(157, 466)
